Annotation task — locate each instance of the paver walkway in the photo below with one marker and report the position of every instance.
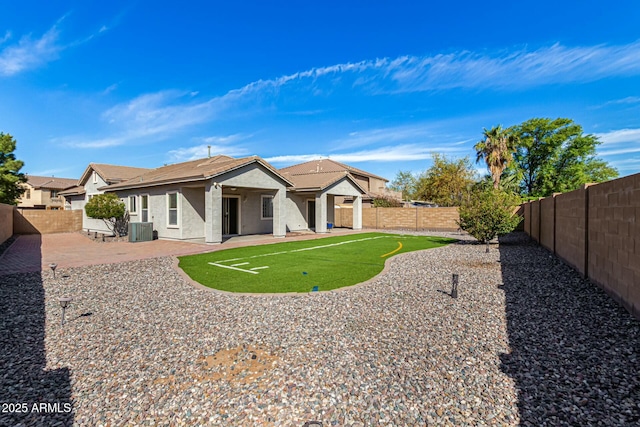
(35, 252)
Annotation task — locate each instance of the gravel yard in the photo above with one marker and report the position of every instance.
(527, 342)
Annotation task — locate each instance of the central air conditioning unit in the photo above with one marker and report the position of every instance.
(140, 231)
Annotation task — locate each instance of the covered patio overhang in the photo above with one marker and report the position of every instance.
(247, 200)
(320, 202)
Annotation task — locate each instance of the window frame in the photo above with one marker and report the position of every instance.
(263, 197)
(133, 211)
(142, 208)
(169, 209)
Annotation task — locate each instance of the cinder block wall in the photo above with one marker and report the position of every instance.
(597, 231)
(535, 220)
(571, 228)
(614, 239)
(547, 223)
(6, 222)
(402, 218)
(46, 222)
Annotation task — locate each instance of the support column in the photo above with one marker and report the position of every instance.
(279, 213)
(321, 212)
(357, 213)
(213, 213)
(331, 206)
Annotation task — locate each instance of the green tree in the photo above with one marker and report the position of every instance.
(496, 149)
(404, 182)
(109, 208)
(446, 182)
(555, 156)
(11, 179)
(489, 213)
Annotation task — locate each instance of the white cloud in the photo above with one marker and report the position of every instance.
(110, 89)
(156, 116)
(202, 151)
(618, 136)
(7, 36)
(393, 153)
(506, 70)
(29, 53)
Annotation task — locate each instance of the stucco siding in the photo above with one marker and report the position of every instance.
(296, 208)
(343, 187)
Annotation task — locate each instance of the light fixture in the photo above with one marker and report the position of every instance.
(53, 266)
(64, 303)
(454, 286)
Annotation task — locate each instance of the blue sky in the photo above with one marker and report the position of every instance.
(379, 85)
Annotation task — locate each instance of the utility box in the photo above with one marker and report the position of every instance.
(140, 231)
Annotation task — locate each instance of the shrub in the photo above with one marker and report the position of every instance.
(489, 213)
(386, 202)
(111, 210)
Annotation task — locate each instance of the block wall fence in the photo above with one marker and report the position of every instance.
(41, 221)
(401, 218)
(596, 230)
(6, 222)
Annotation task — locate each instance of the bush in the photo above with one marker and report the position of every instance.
(111, 210)
(386, 202)
(489, 213)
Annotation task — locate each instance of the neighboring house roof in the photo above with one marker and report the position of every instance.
(195, 170)
(111, 174)
(50, 182)
(326, 166)
(73, 191)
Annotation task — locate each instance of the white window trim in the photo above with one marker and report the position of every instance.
(177, 193)
(262, 197)
(135, 202)
(148, 206)
(95, 177)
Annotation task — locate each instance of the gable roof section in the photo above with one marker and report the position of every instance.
(326, 166)
(111, 174)
(320, 181)
(194, 170)
(73, 191)
(50, 182)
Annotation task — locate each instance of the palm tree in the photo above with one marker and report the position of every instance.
(496, 149)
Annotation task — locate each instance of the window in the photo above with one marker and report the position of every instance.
(132, 205)
(172, 204)
(54, 194)
(95, 177)
(27, 194)
(267, 207)
(144, 208)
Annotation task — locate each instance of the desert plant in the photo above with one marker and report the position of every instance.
(489, 213)
(109, 208)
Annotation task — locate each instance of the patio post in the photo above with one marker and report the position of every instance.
(213, 213)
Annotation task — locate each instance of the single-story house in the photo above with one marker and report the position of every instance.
(95, 177)
(213, 198)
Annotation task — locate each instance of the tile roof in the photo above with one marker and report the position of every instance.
(316, 181)
(114, 173)
(194, 170)
(51, 182)
(326, 165)
(73, 191)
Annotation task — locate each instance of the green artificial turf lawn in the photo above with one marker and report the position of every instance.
(299, 266)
